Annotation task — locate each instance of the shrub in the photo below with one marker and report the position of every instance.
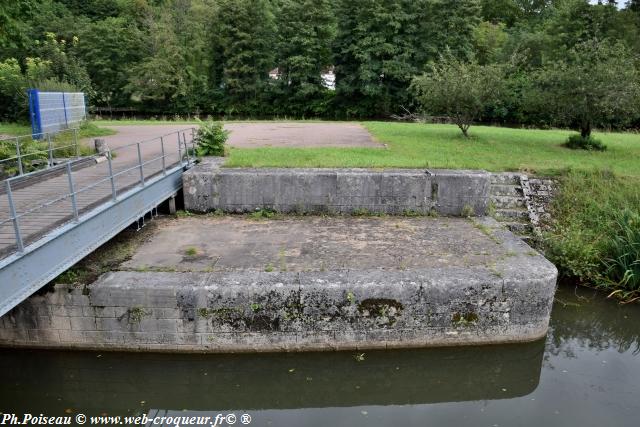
(578, 142)
(211, 139)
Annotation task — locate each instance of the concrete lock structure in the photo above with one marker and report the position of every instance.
(208, 187)
(339, 283)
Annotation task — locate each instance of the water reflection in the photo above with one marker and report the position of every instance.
(116, 382)
(583, 319)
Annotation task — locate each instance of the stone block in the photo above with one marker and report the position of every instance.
(335, 190)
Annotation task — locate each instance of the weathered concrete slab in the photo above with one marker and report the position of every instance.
(208, 187)
(314, 243)
(361, 283)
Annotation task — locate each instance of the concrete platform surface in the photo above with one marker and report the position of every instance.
(232, 284)
(238, 243)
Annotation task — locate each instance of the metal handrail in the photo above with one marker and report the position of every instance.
(74, 192)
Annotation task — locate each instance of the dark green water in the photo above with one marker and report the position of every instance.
(586, 373)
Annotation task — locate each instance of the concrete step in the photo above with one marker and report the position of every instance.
(505, 190)
(512, 214)
(505, 178)
(519, 227)
(508, 202)
(526, 238)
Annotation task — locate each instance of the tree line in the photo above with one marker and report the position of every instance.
(213, 57)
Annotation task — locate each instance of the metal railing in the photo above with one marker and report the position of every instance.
(45, 144)
(169, 151)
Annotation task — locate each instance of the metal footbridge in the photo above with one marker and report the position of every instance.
(53, 217)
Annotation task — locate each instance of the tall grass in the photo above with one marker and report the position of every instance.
(623, 264)
(595, 235)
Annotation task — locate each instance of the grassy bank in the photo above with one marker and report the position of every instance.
(412, 145)
(595, 235)
(87, 130)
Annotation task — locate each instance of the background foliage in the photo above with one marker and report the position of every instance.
(189, 57)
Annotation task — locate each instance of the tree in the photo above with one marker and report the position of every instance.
(595, 85)
(381, 44)
(459, 89)
(577, 21)
(244, 49)
(305, 35)
(14, 83)
(450, 25)
(110, 48)
(501, 11)
(159, 77)
(488, 41)
(64, 64)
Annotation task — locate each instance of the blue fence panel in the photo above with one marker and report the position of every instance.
(55, 111)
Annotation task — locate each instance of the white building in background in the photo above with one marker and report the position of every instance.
(328, 77)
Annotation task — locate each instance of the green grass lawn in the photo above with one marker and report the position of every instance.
(413, 145)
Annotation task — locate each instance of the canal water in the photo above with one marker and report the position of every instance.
(586, 373)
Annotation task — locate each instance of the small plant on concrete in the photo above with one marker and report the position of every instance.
(491, 209)
(204, 313)
(263, 213)
(350, 297)
(136, 314)
(211, 139)
(467, 211)
(269, 268)
(255, 307)
(464, 319)
(183, 214)
(410, 213)
(361, 212)
(283, 260)
(191, 251)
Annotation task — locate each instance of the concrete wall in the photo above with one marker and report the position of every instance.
(208, 187)
(507, 301)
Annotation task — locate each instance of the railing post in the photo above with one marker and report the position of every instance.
(75, 141)
(186, 148)
(20, 171)
(193, 143)
(72, 192)
(50, 150)
(140, 164)
(180, 150)
(164, 165)
(14, 217)
(114, 195)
